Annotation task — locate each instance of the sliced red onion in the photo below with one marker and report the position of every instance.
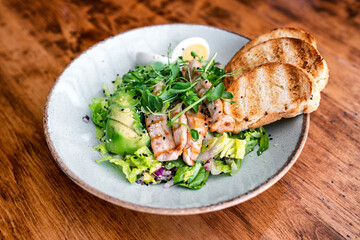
(207, 166)
(165, 176)
(86, 118)
(160, 171)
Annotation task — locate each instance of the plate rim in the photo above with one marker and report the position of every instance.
(169, 211)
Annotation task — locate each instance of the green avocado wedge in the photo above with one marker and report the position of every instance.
(124, 131)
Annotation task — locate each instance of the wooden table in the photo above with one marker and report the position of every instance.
(317, 199)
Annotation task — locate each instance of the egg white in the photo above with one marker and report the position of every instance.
(184, 44)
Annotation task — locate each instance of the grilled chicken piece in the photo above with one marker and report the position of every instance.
(202, 87)
(192, 149)
(220, 122)
(162, 141)
(158, 87)
(179, 131)
(191, 73)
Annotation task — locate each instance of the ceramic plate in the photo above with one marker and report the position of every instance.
(71, 140)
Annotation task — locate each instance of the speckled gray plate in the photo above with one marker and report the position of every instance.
(71, 140)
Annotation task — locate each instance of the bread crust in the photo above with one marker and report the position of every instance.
(284, 50)
(277, 33)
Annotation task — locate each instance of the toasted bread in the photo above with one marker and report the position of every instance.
(284, 50)
(270, 92)
(277, 33)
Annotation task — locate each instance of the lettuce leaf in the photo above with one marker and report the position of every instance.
(99, 133)
(191, 177)
(225, 151)
(101, 148)
(99, 110)
(219, 166)
(176, 163)
(263, 142)
(144, 158)
(139, 165)
(221, 147)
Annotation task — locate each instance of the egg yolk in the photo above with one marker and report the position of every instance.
(199, 49)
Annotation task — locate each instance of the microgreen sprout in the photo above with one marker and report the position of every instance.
(174, 87)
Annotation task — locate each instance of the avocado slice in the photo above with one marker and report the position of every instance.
(124, 131)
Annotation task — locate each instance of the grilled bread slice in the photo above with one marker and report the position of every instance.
(284, 50)
(277, 33)
(270, 92)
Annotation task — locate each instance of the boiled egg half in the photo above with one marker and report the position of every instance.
(183, 49)
(197, 45)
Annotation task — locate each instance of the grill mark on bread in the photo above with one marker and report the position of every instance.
(273, 91)
(277, 33)
(287, 64)
(298, 53)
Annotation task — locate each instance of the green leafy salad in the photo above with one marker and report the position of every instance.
(125, 139)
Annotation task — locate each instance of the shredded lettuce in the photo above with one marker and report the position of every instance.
(117, 82)
(99, 110)
(142, 164)
(226, 151)
(228, 165)
(177, 163)
(101, 148)
(107, 90)
(131, 173)
(221, 147)
(263, 142)
(99, 132)
(219, 166)
(191, 177)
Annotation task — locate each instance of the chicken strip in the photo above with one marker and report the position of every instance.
(179, 130)
(192, 149)
(192, 72)
(220, 122)
(162, 141)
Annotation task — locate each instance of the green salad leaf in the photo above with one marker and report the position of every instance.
(176, 163)
(99, 108)
(264, 141)
(221, 147)
(140, 164)
(191, 177)
(227, 165)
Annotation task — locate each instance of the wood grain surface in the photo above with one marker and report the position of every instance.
(317, 199)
